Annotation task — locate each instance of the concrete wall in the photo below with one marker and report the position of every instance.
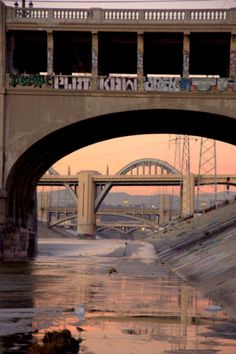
(32, 115)
(42, 126)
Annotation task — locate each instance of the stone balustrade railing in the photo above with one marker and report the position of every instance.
(131, 16)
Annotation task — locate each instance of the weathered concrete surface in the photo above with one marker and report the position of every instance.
(202, 251)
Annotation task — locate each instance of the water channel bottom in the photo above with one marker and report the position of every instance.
(115, 295)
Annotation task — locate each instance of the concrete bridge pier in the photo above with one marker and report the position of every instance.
(86, 225)
(3, 196)
(188, 195)
(164, 217)
(18, 235)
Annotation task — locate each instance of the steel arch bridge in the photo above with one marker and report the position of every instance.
(150, 165)
(144, 166)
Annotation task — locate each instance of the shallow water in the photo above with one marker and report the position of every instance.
(139, 306)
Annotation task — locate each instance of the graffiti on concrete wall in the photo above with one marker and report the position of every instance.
(162, 84)
(194, 84)
(139, 60)
(186, 61)
(71, 83)
(117, 84)
(203, 85)
(103, 83)
(35, 80)
(94, 59)
(213, 85)
(233, 63)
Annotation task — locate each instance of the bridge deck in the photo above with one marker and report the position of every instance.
(136, 180)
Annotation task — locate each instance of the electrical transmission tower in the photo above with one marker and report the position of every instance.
(182, 164)
(177, 164)
(207, 165)
(185, 162)
(178, 152)
(182, 154)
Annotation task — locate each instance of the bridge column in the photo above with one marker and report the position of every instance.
(94, 59)
(186, 51)
(232, 68)
(3, 196)
(188, 195)
(164, 214)
(3, 193)
(86, 224)
(50, 44)
(2, 45)
(140, 50)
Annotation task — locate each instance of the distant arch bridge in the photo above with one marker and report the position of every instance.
(144, 166)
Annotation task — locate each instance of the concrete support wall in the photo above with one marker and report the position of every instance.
(140, 51)
(94, 58)
(3, 194)
(86, 205)
(50, 53)
(232, 68)
(164, 216)
(186, 51)
(10, 54)
(188, 196)
(2, 139)
(2, 45)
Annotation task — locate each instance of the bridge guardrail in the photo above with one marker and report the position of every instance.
(59, 180)
(131, 16)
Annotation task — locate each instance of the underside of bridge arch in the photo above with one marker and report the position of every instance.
(23, 177)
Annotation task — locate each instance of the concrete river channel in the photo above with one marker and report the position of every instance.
(113, 294)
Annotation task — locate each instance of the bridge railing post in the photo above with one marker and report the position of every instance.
(95, 15)
(232, 15)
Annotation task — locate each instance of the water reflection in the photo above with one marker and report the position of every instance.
(142, 308)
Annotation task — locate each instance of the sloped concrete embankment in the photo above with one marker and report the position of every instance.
(202, 251)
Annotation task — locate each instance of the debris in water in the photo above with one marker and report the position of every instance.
(112, 270)
(56, 342)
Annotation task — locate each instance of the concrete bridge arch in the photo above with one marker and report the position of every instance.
(29, 166)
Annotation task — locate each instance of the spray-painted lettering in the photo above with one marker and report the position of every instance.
(162, 84)
(118, 84)
(203, 85)
(35, 80)
(71, 83)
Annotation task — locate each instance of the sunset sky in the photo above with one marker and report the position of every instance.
(116, 153)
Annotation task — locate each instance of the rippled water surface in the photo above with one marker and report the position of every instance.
(115, 295)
